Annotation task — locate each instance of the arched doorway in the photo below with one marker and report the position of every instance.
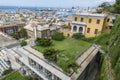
(74, 28)
(80, 29)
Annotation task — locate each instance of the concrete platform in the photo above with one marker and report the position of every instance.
(7, 41)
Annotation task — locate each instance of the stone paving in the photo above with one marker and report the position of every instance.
(6, 40)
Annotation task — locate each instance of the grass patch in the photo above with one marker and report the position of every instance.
(7, 71)
(101, 40)
(104, 69)
(69, 49)
(17, 76)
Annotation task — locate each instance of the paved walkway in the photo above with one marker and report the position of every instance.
(6, 40)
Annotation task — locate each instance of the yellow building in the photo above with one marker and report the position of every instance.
(108, 23)
(90, 25)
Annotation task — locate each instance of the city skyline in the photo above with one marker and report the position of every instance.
(53, 3)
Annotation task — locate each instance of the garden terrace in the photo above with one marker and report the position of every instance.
(70, 49)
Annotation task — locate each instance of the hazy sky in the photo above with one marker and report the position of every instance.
(52, 3)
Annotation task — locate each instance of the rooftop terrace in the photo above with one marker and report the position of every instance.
(70, 49)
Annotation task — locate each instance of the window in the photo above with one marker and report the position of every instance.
(56, 78)
(98, 21)
(108, 20)
(80, 29)
(31, 62)
(82, 19)
(49, 74)
(74, 28)
(40, 67)
(110, 27)
(75, 18)
(106, 27)
(96, 31)
(90, 20)
(9, 31)
(88, 30)
(113, 21)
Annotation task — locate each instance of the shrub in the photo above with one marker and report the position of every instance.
(73, 65)
(7, 71)
(14, 35)
(23, 43)
(43, 42)
(23, 33)
(91, 40)
(58, 36)
(77, 36)
(30, 78)
(51, 54)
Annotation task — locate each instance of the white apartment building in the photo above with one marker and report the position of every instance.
(31, 62)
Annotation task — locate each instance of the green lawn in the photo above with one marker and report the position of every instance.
(16, 76)
(70, 49)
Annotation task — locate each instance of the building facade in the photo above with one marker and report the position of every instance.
(31, 62)
(90, 25)
(41, 31)
(14, 28)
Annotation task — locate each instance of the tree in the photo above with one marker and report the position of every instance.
(73, 65)
(77, 36)
(23, 43)
(112, 9)
(117, 6)
(43, 42)
(51, 54)
(7, 71)
(30, 78)
(23, 33)
(117, 70)
(58, 36)
(105, 5)
(14, 35)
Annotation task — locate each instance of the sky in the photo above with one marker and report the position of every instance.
(52, 3)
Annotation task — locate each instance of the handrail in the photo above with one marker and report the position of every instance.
(84, 51)
(85, 58)
(48, 63)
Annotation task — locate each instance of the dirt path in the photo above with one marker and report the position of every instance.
(110, 74)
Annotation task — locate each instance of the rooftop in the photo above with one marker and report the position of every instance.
(6, 40)
(91, 15)
(7, 24)
(70, 48)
